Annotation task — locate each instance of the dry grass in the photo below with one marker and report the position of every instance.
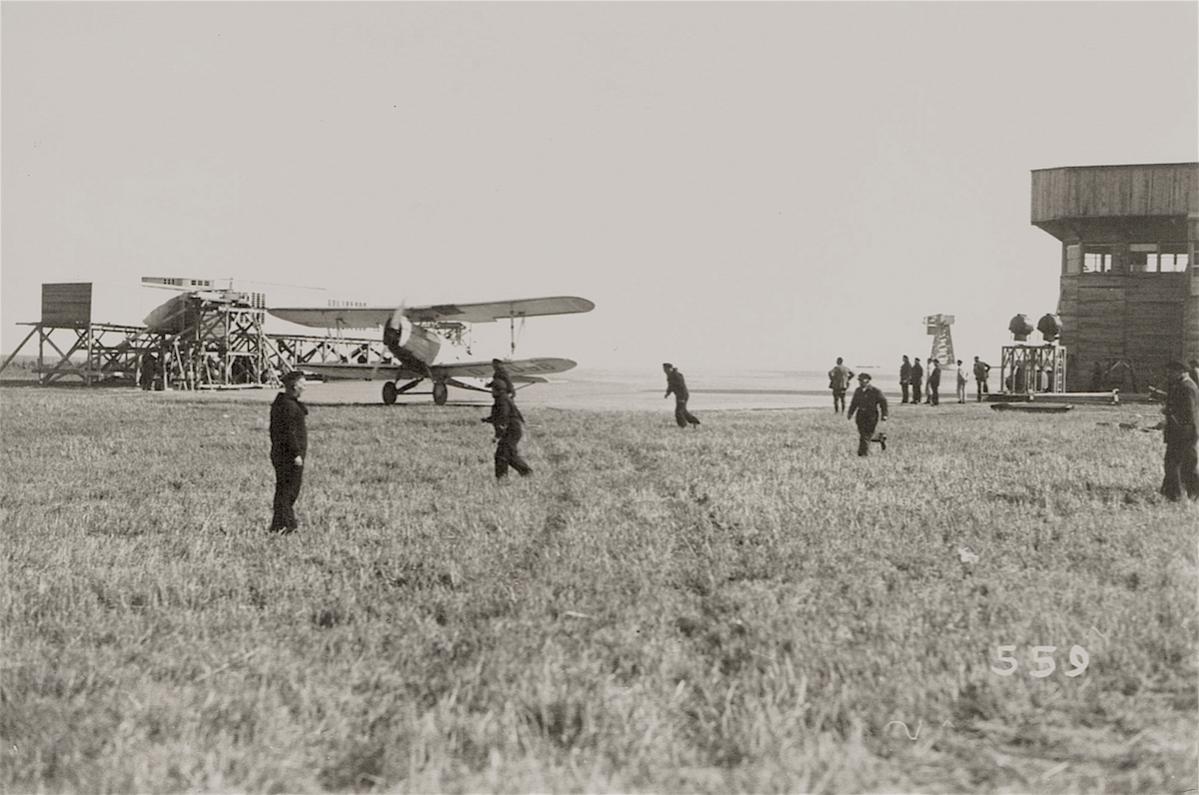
(746, 607)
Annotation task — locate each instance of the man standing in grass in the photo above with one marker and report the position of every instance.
(508, 423)
(676, 385)
(1182, 440)
(870, 405)
(905, 378)
(982, 372)
(289, 447)
(917, 380)
(962, 380)
(934, 383)
(838, 380)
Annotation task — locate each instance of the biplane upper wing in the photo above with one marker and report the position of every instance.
(487, 312)
(521, 370)
(499, 310)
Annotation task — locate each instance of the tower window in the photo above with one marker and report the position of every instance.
(1142, 258)
(1174, 258)
(1097, 259)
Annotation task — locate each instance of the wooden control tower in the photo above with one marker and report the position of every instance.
(1129, 299)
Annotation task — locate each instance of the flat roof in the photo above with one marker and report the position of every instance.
(1118, 165)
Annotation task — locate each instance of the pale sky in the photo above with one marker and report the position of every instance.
(764, 185)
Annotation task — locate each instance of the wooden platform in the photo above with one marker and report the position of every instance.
(1036, 408)
(1071, 398)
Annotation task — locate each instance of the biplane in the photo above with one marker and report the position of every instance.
(414, 336)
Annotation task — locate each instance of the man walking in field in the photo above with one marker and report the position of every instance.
(676, 385)
(905, 378)
(982, 371)
(870, 406)
(289, 448)
(1182, 442)
(509, 424)
(917, 380)
(962, 380)
(838, 381)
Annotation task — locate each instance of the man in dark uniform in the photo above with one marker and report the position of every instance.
(499, 374)
(934, 383)
(917, 380)
(289, 447)
(982, 373)
(508, 423)
(148, 371)
(1179, 432)
(870, 406)
(905, 377)
(838, 381)
(677, 385)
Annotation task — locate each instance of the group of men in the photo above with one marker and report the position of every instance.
(289, 439)
(867, 408)
(912, 376)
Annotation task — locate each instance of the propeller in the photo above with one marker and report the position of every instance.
(393, 329)
(393, 333)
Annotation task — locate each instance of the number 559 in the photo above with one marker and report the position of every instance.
(1006, 664)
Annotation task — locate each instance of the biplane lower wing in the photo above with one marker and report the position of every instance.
(527, 370)
(334, 371)
(443, 376)
(530, 371)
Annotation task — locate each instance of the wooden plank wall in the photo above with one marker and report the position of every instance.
(1190, 331)
(67, 304)
(1136, 317)
(1106, 191)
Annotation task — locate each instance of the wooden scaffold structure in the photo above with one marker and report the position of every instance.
(201, 339)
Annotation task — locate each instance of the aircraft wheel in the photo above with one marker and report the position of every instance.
(440, 393)
(389, 392)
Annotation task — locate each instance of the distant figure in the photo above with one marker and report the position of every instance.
(870, 405)
(1182, 443)
(917, 379)
(962, 380)
(148, 372)
(677, 385)
(509, 424)
(934, 383)
(499, 374)
(982, 372)
(905, 378)
(838, 381)
(289, 447)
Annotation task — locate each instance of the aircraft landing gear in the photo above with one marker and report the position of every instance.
(440, 393)
(390, 392)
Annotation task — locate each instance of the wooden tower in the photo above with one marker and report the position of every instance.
(1129, 299)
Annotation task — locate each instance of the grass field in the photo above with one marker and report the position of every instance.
(746, 607)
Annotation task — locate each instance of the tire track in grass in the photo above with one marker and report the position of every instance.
(563, 501)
